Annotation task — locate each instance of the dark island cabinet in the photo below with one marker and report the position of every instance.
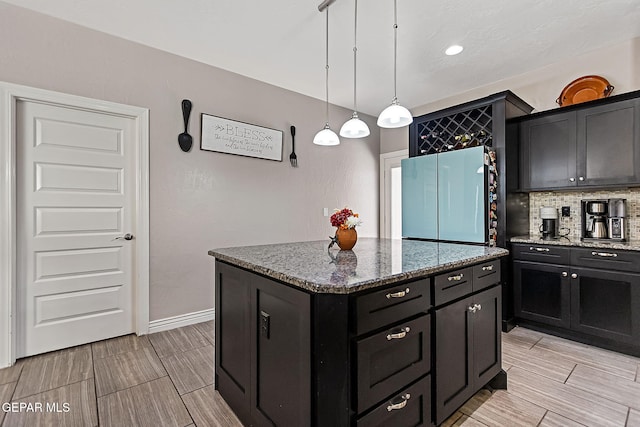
(467, 349)
(588, 146)
(287, 356)
(588, 294)
(263, 353)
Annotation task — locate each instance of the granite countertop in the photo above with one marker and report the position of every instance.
(372, 262)
(632, 245)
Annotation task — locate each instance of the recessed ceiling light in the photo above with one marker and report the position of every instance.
(453, 50)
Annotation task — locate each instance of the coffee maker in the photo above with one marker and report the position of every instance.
(549, 227)
(603, 219)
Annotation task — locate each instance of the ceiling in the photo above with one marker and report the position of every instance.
(282, 41)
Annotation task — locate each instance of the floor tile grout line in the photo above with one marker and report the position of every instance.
(95, 383)
(543, 417)
(536, 343)
(567, 379)
(132, 386)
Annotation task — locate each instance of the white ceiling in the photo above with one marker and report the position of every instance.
(282, 41)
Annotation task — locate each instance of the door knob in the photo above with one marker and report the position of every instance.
(572, 180)
(574, 276)
(581, 178)
(127, 236)
(565, 274)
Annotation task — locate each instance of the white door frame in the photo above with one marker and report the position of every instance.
(388, 161)
(10, 94)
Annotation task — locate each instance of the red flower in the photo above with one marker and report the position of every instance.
(339, 217)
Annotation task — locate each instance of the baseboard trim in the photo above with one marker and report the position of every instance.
(181, 320)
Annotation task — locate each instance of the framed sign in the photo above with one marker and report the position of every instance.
(232, 137)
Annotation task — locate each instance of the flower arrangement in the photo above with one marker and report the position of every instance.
(345, 219)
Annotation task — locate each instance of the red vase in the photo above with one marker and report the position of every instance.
(347, 238)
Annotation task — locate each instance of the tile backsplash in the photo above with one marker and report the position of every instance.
(573, 198)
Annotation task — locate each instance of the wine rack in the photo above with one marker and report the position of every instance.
(460, 130)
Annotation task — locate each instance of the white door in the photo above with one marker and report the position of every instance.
(75, 198)
(391, 194)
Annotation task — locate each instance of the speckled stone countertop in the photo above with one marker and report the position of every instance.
(371, 263)
(633, 245)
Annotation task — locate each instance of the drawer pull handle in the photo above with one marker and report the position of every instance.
(487, 268)
(604, 254)
(398, 294)
(399, 335)
(456, 277)
(396, 406)
(539, 249)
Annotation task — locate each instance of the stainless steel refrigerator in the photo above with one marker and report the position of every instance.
(450, 196)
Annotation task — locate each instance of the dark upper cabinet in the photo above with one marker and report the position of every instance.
(549, 152)
(586, 146)
(609, 144)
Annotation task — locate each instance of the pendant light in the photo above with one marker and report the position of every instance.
(354, 127)
(395, 115)
(326, 136)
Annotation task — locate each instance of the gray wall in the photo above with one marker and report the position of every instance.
(202, 200)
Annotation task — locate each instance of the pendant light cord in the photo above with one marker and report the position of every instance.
(395, 49)
(355, 51)
(327, 67)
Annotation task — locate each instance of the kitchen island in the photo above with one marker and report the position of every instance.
(318, 337)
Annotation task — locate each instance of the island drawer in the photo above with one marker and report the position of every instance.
(392, 359)
(606, 259)
(408, 408)
(453, 285)
(391, 305)
(541, 253)
(486, 274)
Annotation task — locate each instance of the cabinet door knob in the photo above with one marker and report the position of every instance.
(574, 276)
(604, 254)
(487, 268)
(398, 294)
(478, 307)
(565, 274)
(581, 178)
(399, 335)
(472, 309)
(572, 180)
(395, 406)
(456, 277)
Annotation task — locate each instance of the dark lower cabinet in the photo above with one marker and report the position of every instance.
(263, 349)
(467, 349)
(594, 297)
(542, 293)
(606, 304)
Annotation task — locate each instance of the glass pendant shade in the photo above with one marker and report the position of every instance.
(395, 116)
(354, 128)
(326, 137)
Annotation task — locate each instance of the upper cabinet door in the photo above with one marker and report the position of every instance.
(420, 197)
(462, 196)
(609, 144)
(548, 157)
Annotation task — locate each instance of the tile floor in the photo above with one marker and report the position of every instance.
(166, 379)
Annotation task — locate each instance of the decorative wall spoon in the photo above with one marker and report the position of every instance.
(184, 139)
